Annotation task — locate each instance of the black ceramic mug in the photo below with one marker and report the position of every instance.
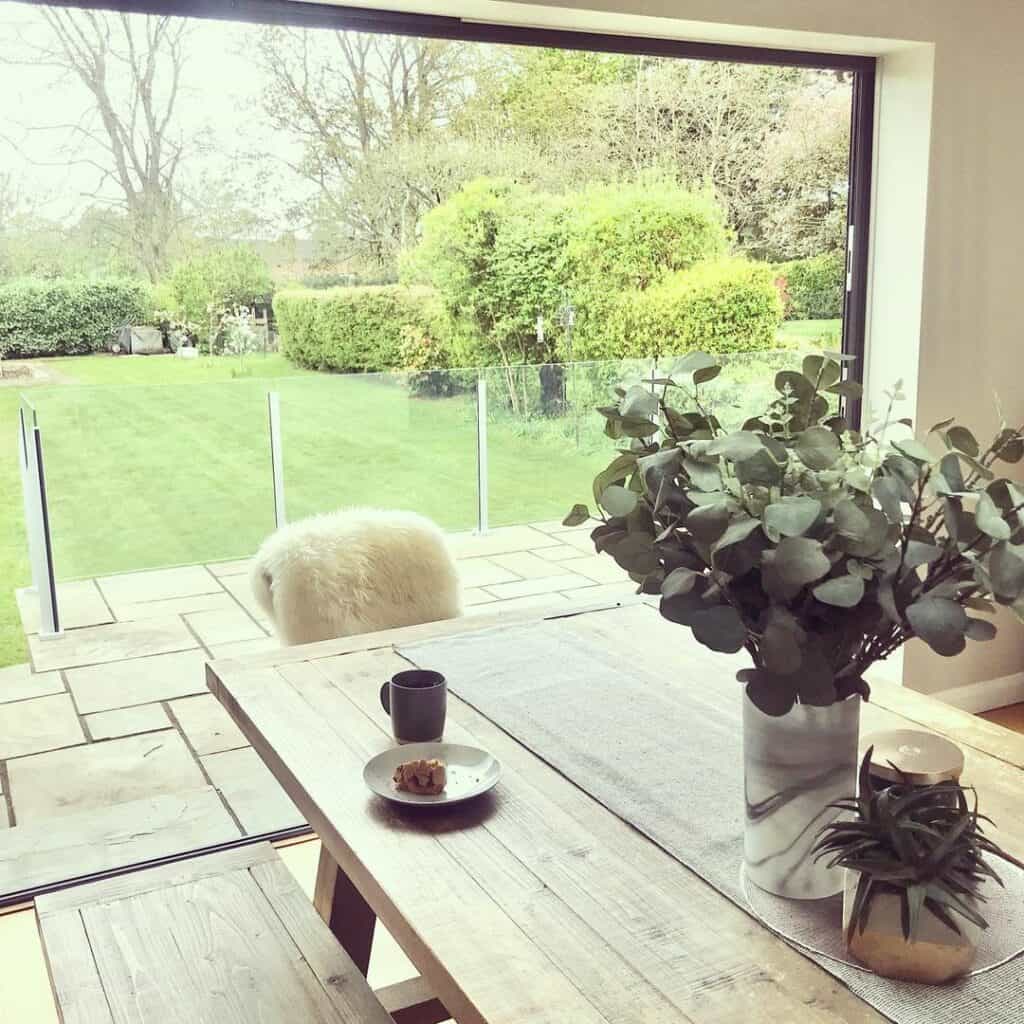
(416, 700)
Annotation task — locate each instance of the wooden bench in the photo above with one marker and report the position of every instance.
(228, 938)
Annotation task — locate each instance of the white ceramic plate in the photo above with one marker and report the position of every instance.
(470, 772)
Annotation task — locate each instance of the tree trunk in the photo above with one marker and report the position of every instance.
(552, 389)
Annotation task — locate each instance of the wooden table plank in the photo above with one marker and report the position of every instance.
(436, 911)
(661, 920)
(538, 887)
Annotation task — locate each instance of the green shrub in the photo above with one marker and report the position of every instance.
(725, 306)
(814, 287)
(352, 329)
(68, 316)
(221, 278)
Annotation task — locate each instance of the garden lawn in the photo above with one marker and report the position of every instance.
(158, 461)
(155, 474)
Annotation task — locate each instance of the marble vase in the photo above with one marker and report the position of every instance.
(794, 766)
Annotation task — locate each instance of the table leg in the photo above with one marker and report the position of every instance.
(342, 906)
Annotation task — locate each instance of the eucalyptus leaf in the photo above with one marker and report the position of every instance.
(706, 373)
(1006, 570)
(704, 475)
(736, 446)
(770, 693)
(940, 623)
(791, 516)
(1009, 445)
(636, 553)
(708, 522)
(800, 560)
(914, 450)
(849, 389)
(980, 630)
(850, 520)
(887, 494)
(617, 500)
(989, 519)
(841, 591)
(639, 402)
(578, 515)
(691, 363)
(818, 447)
(720, 628)
(963, 440)
(780, 646)
(736, 531)
(920, 553)
(821, 371)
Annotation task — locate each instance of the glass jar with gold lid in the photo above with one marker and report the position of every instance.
(911, 757)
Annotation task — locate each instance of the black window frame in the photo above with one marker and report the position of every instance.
(296, 13)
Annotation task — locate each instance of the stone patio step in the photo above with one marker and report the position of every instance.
(116, 642)
(112, 837)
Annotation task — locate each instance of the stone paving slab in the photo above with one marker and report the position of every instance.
(116, 642)
(499, 541)
(82, 843)
(239, 567)
(245, 782)
(599, 568)
(107, 725)
(19, 682)
(557, 526)
(132, 611)
(238, 587)
(243, 647)
(480, 572)
(157, 584)
(224, 626)
(80, 604)
(561, 553)
(208, 728)
(140, 681)
(552, 601)
(100, 775)
(548, 585)
(43, 723)
(526, 565)
(475, 595)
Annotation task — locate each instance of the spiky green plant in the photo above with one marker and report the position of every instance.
(922, 843)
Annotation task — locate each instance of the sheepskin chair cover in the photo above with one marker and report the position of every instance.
(354, 571)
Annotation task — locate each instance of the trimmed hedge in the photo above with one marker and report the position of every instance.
(68, 317)
(814, 287)
(725, 306)
(352, 329)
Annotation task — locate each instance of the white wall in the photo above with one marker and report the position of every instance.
(946, 289)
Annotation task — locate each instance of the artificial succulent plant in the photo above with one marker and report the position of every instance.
(923, 843)
(818, 546)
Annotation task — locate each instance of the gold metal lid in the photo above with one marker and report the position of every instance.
(922, 757)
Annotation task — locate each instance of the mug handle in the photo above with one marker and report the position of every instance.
(385, 696)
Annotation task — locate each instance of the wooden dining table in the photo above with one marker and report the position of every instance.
(534, 904)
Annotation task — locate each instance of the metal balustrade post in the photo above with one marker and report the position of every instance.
(276, 456)
(481, 454)
(37, 527)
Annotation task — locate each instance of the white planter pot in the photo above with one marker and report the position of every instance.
(934, 954)
(794, 766)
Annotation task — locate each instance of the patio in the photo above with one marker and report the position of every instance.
(113, 752)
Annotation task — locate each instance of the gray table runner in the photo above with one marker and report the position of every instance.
(615, 730)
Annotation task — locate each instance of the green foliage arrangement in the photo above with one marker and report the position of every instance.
(721, 306)
(815, 286)
(818, 548)
(924, 844)
(68, 316)
(352, 329)
(222, 278)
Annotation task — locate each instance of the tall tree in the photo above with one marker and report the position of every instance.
(349, 97)
(131, 66)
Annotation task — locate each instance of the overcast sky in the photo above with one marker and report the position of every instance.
(218, 104)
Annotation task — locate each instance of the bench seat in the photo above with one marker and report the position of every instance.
(228, 938)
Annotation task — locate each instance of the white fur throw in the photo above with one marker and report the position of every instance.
(354, 571)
